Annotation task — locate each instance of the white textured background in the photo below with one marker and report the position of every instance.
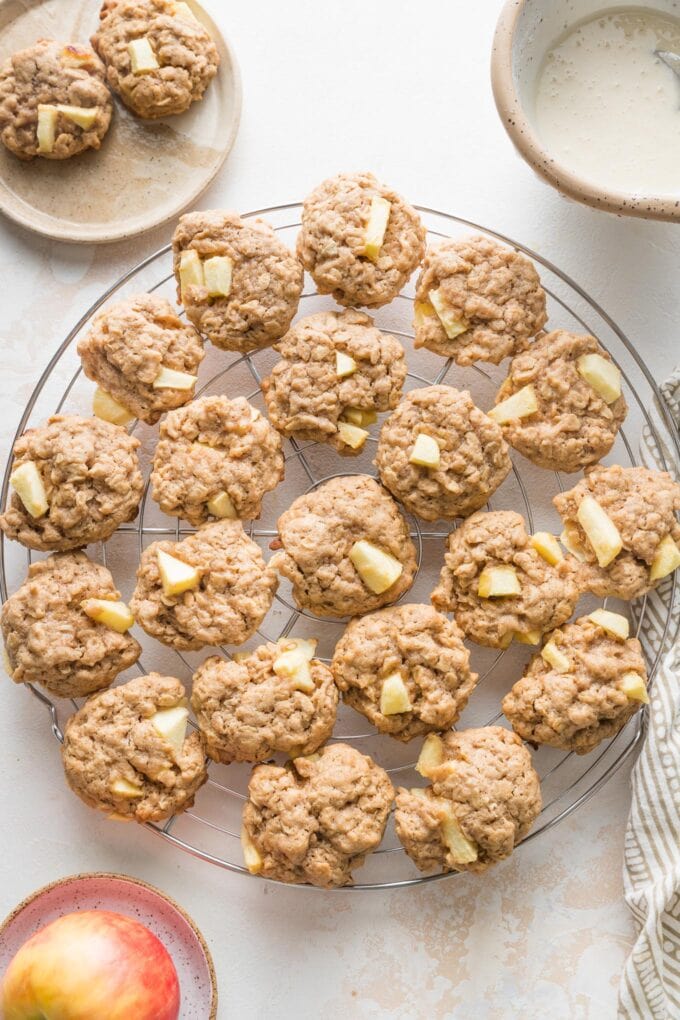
(401, 88)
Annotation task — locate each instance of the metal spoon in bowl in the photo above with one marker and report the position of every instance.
(670, 59)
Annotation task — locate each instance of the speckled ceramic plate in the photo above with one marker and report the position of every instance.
(145, 172)
(136, 899)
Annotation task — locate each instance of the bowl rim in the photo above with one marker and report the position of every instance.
(530, 147)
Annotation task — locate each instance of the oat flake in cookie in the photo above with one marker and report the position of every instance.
(336, 372)
(79, 479)
(316, 819)
(360, 241)
(238, 282)
(477, 300)
(498, 586)
(221, 599)
(573, 694)
(215, 458)
(484, 798)
(440, 455)
(53, 101)
(51, 640)
(621, 523)
(159, 58)
(126, 751)
(345, 547)
(561, 405)
(134, 352)
(406, 669)
(251, 708)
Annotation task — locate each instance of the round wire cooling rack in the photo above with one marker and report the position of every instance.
(210, 830)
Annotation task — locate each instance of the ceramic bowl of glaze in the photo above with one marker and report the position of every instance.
(527, 31)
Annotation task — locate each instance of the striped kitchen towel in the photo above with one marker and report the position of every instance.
(650, 985)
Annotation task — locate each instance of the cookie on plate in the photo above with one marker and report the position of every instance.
(215, 458)
(345, 547)
(484, 798)
(621, 523)
(212, 588)
(440, 455)
(561, 405)
(316, 819)
(159, 58)
(406, 669)
(65, 629)
(238, 282)
(477, 300)
(126, 751)
(360, 241)
(143, 358)
(336, 372)
(277, 699)
(499, 586)
(75, 481)
(581, 688)
(53, 101)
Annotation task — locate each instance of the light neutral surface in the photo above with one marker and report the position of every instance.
(406, 94)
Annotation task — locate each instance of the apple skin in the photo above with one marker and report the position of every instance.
(91, 964)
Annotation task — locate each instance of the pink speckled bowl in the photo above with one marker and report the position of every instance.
(129, 896)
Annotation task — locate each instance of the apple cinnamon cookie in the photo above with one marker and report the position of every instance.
(337, 371)
(216, 458)
(53, 101)
(621, 524)
(406, 669)
(143, 358)
(75, 481)
(159, 58)
(360, 241)
(561, 405)
(316, 819)
(501, 583)
(440, 455)
(66, 629)
(277, 699)
(212, 588)
(484, 798)
(238, 282)
(126, 751)
(345, 548)
(583, 686)
(477, 300)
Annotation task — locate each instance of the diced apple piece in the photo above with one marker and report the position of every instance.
(463, 850)
(555, 657)
(498, 582)
(176, 575)
(614, 624)
(572, 547)
(123, 788)
(358, 416)
(73, 56)
(521, 404)
(108, 409)
(377, 569)
(217, 275)
(351, 435)
(431, 755)
(374, 235)
(293, 663)
(171, 379)
(307, 646)
(601, 531)
(251, 855)
(602, 374)
(547, 546)
(222, 506)
(666, 559)
(190, 270)
(422, 311)
(453, 327)
(528, 637)
(28, 485)
(115, 615)
(241, 656)
(47, 127)
(425, 452)
(394, 695)
(634, 687)
(171, 723)
(344, 365)
(419, 791)
(142, 57)
(183, 10)
(83, 116)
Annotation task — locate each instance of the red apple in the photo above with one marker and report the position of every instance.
(94, 964)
